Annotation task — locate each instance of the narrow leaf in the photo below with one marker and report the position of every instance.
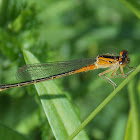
(135, 111)
(59, 112)
(104, 103)
(133, 5)
(9, 134)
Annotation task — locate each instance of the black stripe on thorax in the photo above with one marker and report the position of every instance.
(110, 56)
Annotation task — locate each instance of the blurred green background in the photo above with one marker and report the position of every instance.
(66, 30)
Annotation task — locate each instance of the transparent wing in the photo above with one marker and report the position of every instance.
(36, 71)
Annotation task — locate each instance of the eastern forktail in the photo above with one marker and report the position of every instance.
(35, 73)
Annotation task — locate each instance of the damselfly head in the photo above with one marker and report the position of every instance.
(124, 56)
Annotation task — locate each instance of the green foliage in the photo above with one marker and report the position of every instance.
(65, 30)
(134, 6)
(18, 19)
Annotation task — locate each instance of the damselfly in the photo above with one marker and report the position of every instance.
(35, 73)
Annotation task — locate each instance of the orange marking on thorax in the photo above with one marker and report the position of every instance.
(105, 62)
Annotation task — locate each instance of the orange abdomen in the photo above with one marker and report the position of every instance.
(86, 68)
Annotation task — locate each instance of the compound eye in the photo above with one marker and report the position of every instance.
(124, 53)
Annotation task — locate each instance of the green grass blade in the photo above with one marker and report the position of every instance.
(128, 133)
(134, 124)
(104, 103)
(59, 112)
(133, 5)
(8, 134)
